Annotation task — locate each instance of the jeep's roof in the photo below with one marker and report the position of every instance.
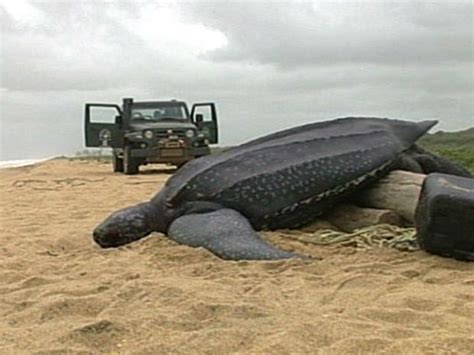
(158, 103)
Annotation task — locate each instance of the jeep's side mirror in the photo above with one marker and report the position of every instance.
(118, 120)
(199, 118)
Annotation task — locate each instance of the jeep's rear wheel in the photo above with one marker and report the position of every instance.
(130, 165)
(117, 163)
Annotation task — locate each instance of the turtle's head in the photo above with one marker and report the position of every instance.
(124, 226)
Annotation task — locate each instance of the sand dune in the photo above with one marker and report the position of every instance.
(60, 293)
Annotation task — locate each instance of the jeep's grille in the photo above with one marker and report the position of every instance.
(164, 134)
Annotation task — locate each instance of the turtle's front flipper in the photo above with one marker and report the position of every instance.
(226, 233)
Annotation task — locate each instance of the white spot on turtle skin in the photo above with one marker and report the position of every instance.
(332, 192)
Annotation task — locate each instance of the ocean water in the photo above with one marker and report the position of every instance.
(20, 162)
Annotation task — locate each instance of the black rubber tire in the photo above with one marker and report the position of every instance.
(443, 217)
(130, 166)
(117, 163)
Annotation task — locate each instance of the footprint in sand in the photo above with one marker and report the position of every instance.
(366, 345)
(172, 296)
(16, 308)
(54, 184)
(410, 274)
(463, 306)
(102, 335)
(203, 312)
(449, 345)
(65, 307)
(406, 317)
(421, 304)
(24, 285)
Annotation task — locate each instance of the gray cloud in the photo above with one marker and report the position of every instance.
(302, 34)
(284, 64)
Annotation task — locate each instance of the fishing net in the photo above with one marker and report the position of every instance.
(380, 235)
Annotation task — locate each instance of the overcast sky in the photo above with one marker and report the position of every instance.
(267, 65)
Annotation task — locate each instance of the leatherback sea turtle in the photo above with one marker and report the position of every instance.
(283, 180)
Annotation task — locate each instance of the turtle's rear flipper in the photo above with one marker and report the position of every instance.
(226, 233)
(420, 160)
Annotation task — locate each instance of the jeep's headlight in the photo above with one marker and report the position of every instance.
(148, 134)
(190, 133)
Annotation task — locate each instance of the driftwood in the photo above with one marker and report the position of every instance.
(319, 224)
(350, 217)
(392, 200)
(398, 192)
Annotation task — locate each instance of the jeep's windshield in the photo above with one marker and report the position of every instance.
(159, 113)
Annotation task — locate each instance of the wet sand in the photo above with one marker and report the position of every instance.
(60, 293)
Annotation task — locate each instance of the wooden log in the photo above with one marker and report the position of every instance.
(392, 200)
(399, 191)
(348, 217)
(318, 224)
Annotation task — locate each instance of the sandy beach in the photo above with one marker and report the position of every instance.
(60, 293)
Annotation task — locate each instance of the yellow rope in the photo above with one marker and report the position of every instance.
(380, 235)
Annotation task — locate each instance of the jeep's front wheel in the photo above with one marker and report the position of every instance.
(130, 165)
(117, 163)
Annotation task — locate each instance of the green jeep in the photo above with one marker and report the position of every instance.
(151, 132)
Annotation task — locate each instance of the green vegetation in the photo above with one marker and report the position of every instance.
(457, 146)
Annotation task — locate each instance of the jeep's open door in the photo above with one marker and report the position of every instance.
(103, 125)
(204, 117)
